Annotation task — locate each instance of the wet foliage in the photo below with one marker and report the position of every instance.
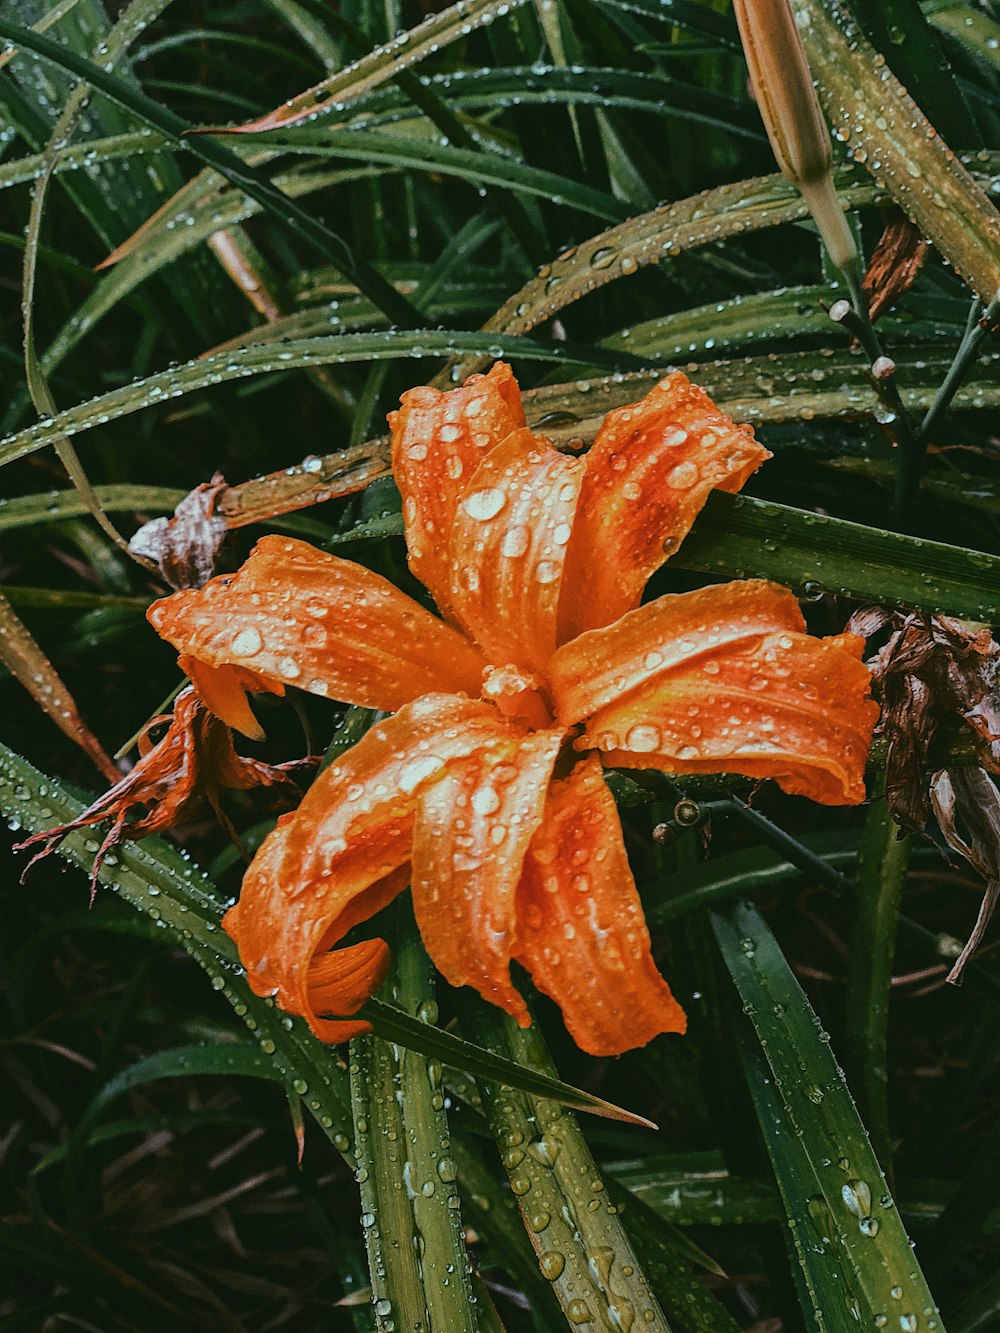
(583, 188)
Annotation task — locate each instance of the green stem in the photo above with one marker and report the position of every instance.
(981, 322)
(575, 1229)
(908, 467)
(881, 879)
(411, 1218)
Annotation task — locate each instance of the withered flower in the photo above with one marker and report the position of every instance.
(185, 545)
(930, 668)
(192, 764)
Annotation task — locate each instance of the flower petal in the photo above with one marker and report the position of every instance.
(438, 440)
(649, 472)
(295, 615)
(223, 690)
(600, 666)
(473, 827)
(581, 932)
(508, 548)
(343, 855)
(339, 982)
(779, 704)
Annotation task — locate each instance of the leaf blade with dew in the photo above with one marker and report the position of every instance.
(393, 1024)
(244, 177)
(478, 168)
(871, 110)
(378, 66)
(402, 1134)
(300, 353)
(884, 858)
(854, 1210)
(24, 511)
(583, 1250)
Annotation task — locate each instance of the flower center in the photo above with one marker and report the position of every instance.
(520, 695)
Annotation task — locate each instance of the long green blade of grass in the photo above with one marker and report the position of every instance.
(834, 1190)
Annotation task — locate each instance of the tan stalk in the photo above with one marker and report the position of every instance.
(790, 110)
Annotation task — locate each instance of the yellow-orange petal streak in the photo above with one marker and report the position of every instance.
(649, 472)
(580, 926)
(438, 441)
(508, 548)
(474, 824)
(782, 705)
(343, 855)
(600, 666)
(297, 616)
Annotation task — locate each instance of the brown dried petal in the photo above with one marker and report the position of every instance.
(895, 263)
(967, 805)
(186, 545)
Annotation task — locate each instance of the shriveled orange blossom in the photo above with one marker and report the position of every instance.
(485, 791)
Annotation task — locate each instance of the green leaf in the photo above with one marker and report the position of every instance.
(872, 111)
(423, 154)
(581, 1243)
(264, 359)
(414, 1236)
(333, 247)
(814, 553)
(402, 52)
(394, 1025)
(836, 1199)
(882, 870)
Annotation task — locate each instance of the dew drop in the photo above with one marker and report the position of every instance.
(486, 504)
(515, 541)
(642, 738)
(247, 642)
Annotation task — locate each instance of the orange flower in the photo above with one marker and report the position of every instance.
(194, 761)
(485, 790)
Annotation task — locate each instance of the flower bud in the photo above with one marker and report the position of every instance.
(790, 110)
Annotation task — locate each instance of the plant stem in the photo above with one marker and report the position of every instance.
(881, 878)
(980, 323)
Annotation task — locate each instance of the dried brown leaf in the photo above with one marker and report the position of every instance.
(185, 546)
(895, 263)
(967, 806)
(26, 662)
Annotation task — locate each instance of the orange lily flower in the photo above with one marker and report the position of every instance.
(194, 761)
(484, 791)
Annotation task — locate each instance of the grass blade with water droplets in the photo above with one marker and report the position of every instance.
(846, 1199)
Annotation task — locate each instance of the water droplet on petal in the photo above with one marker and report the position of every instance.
(642, 738)
(515, 542)
(484, 504)
(246, 643)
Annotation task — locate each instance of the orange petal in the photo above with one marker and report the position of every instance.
(508, 548)
(649, 472)
(581, 931)
(473, 827)
(339, 982)
(600, 666)
(223, 690)
(438, 441)
(780, 705)
(342, 856)
(295, 615)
